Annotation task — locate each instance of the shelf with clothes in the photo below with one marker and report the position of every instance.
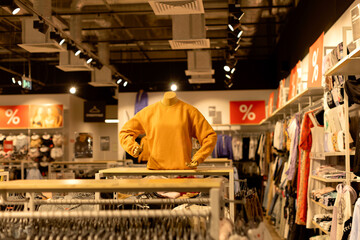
(36, 145)
(336, 137)
(329, 208)
(319, 227)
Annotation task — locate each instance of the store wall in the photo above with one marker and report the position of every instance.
(77, 125)
(73, 122)
(199, 99)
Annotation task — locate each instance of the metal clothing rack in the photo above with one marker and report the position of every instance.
(204, 171)
(212, 186)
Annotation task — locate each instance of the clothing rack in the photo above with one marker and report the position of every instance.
(212, 186)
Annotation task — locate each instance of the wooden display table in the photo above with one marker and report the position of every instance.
(217, 162)
(205, 171)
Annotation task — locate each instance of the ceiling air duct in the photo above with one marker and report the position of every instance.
(34, 38)
(178, 7)
(189, 32)
(199, 67)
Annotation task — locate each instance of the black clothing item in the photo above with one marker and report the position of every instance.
(352, 88)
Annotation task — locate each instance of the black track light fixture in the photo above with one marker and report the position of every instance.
(238, 15)
(41, 26)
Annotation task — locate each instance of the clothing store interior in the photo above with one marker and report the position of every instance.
(180, 119)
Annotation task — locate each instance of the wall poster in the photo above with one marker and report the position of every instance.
(83, 145)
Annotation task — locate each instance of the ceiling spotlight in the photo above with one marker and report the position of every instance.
(239, 34)
(233, 23)
(238, 41)
(227, 68)
(72, 90)
(119, 81)
(77, 52)
(173, 87)
(239, 15)
(232, 70)
(13, 80)
(230, 85)
(228, 76)
(14, 9)
(89, 61)
(237, 48)
(62, 41)
(19, 82)
(125, 84)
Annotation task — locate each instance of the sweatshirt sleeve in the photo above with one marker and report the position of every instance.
(206, 135)
(129, 132)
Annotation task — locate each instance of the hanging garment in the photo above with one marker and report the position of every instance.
(169, 130)
(278, 135)
(317, 139)
(341, 220)
(237, 145)
(294, 132)
(252, 147)
(141, 101)
(224, 146)
(33, 173)
(304, 167)
(355, 228)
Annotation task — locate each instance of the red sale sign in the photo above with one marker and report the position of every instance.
(271, 104)
(14, 116)
(293, 83)
(315, 63)
(247, 112)
(8, 146)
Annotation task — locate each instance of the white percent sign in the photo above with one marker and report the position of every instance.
(315, 65)
(245, 109)
(12, 116)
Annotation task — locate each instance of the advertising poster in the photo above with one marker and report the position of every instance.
(46, 116)
(83, 145)
(105, 143)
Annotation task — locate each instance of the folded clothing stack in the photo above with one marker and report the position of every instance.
(324, 220)
(324, 196)
(330, 172)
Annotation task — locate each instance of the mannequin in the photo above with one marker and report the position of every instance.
(169, 99)
(169, 125)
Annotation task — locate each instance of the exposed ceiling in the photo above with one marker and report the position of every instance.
(138, 41)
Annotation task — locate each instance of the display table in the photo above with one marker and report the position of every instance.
(217, 162)
(205, 171)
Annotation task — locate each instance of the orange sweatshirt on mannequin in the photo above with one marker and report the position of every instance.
(169, 130)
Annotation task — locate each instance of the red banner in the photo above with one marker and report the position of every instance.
(271, 104)
(247, 112)
(293, 83)
(14, 116)
(315, 63)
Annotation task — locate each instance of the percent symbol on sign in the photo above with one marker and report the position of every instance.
(315, 66)
(12, 116)
(245, 109)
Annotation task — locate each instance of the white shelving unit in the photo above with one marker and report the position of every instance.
(327, 180)
(348, 65)
(329, 208)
